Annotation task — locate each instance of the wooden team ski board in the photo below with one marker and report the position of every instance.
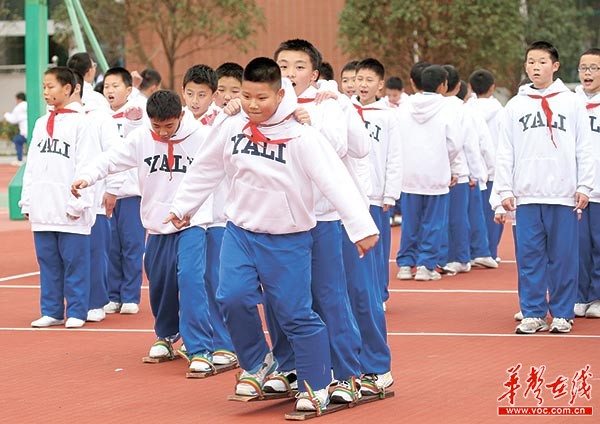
(263, 397)
(151, 360)
(218, 370)
(335, 407)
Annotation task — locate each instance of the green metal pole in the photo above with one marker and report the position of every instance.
(75, 24)
(91, 36)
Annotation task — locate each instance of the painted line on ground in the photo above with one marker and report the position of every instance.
(503, 261)
(16, 277)
(452, 291)
(11, 286)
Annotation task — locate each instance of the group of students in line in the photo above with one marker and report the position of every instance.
(272, 187)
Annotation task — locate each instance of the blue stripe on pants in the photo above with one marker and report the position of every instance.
(281, 264)
(382, 248)
(64, 260)
(494, 231)
(479, 243)
(99, 246)
(455, 247)
(589, 254)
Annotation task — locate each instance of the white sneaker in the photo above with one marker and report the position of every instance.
(594, 310)
(424, 274)
(498, 259)
(281, 382)
(130, 308)
(46, 321)
(404, 273)
(518, 316)
(487, 262)
(373, 384)
(201, 363)
(384, 307)
(320, 401)
(580, 309)
(248, 381)
(112, 307)
(561, 325)
(456, 267)
(161, 349)
(531, 326)
(223, 357)
(96, 315)
(74, 323)
(346, 391)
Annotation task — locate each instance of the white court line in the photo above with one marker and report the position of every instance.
(453, 291)
(11, 286)
(137, 330)
(16, 277)
(503, 261)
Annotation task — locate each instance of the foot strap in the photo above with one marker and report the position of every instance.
(352, 391)
(166, 345)
(313, 399)
(202, 359)
(284, 380)
(225, 352)
(250, 381)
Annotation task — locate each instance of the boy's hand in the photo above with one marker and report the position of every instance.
(509, 204)
(76, 186)
(453, 181)
(136, 79)
(72, 217)
(500, 218)
(133, 113)
(109, 201)
(366, 244)
(324, 95)
(177, 223)
(26, 216)
(386, 208)
(581, 202)
(302, 116)
(472, 183)
(233, 107)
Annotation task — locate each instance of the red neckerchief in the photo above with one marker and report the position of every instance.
(547, 112)
(360, 110)
(170, 143)
(302, 100)
(119, 115)
(53, 113)
(210, 118)
(256, 136)
(591, 106)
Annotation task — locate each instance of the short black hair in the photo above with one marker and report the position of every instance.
(453, 77)
(63, 75)
(299, 45)
(432, 77)
(481, 81)
(122, 72)
(463, 90)
(150, 77)
(545, 46)
(79, 81)
(230, 69)
(263, 69)
(326, 71)
(201, 74)
(163, 105)
(592, 50)
(394, 83)
(80, 62)
(373, 65)
(415, 73)
(21, 96)
(350, 66)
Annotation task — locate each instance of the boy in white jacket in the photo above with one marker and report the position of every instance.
(60, 145)
(174, 259)
(272, 163)
(588, 293)
(545, 171)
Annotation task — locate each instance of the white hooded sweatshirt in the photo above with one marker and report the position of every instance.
(271, 188)
(492, 112)
(537, 165)
(592, 105)
(430, 141)
(157, 184)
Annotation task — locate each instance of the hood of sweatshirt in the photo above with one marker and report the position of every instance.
(424, 106)
(187, 126)
(556, 87)
(280, 120)
(593, 99)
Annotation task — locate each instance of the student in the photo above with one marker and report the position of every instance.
(394, 91)
(430, 147)
(326, 72)
(61, 225)
(174, 259)
(18, 116)
(415, 76)
(348, 77)
(128, 235)
(84, 65)
(267, 156)
(229, 85)
(588, 293)
(481, 83)
(545, 171)
(199, 90)
(144, 84)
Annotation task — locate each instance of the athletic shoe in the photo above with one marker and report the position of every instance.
(404, 273)
(518, 316)
(130, 308)
(161, 349)
(319, 400)
(594, 310)
(561, 325)
(96, 315)
(112, 307)
(424, 274)
(531, 326)
(201, 362)
(251, 383)
(46, 321)
(580, 309)
(384, 307)
(346, 391)
(74, 323)
(498, 259)
(224, 357)
(457, 267)
(281, 382)
(486, 262)
(373, 384)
